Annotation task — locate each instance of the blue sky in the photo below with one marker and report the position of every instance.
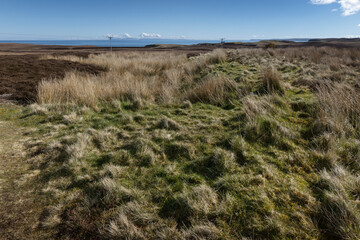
(193, 19)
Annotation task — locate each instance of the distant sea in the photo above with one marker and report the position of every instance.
(126, 42)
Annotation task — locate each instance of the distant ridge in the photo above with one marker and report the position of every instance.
(335, 40)
(282, 39)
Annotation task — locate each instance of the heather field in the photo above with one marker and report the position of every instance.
(230, 144)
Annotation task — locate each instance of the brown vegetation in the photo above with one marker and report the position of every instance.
(154, 77)
(271, 80)
(20, 75)
(250, 143)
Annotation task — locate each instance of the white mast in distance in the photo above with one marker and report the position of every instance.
(110, 37)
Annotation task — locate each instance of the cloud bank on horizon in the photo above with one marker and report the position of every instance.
(349, 7)
(150, 35)
(141, 36)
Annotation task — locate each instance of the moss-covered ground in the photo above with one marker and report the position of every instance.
(242, 169)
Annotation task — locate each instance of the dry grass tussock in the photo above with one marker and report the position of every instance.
(260, 105)
(333, 58)
(271, 80)
(335, 129)
(154, 77)
(212, 89)
(281, 163)
(335, 137)
(340, 213)
(339, 110)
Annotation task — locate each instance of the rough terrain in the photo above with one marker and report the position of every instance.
(239, 144)
(20, 205)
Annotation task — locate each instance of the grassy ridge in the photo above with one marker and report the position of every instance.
(256, 144)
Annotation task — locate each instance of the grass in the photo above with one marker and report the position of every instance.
(151, 77)
(211, 147)
(271, 81)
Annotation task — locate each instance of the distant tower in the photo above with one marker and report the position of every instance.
(222, 41)
(110, 37)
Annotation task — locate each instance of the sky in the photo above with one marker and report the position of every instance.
(190, 19)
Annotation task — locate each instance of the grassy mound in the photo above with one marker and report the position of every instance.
(247, 144)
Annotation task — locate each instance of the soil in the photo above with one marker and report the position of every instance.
(20, 75)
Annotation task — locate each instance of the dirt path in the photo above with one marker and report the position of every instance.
(20, 208)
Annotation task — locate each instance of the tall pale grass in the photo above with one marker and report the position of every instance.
(271, 80)
(154, 77)
(339, 107)
(212, 89)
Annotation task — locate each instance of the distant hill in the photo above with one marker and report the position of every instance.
(335, 40)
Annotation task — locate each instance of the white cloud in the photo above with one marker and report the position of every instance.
(323, 1)
(334, 10)
(150, 35)
(126, 35)
(349, 7)
(112, 35)
(358, 25)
